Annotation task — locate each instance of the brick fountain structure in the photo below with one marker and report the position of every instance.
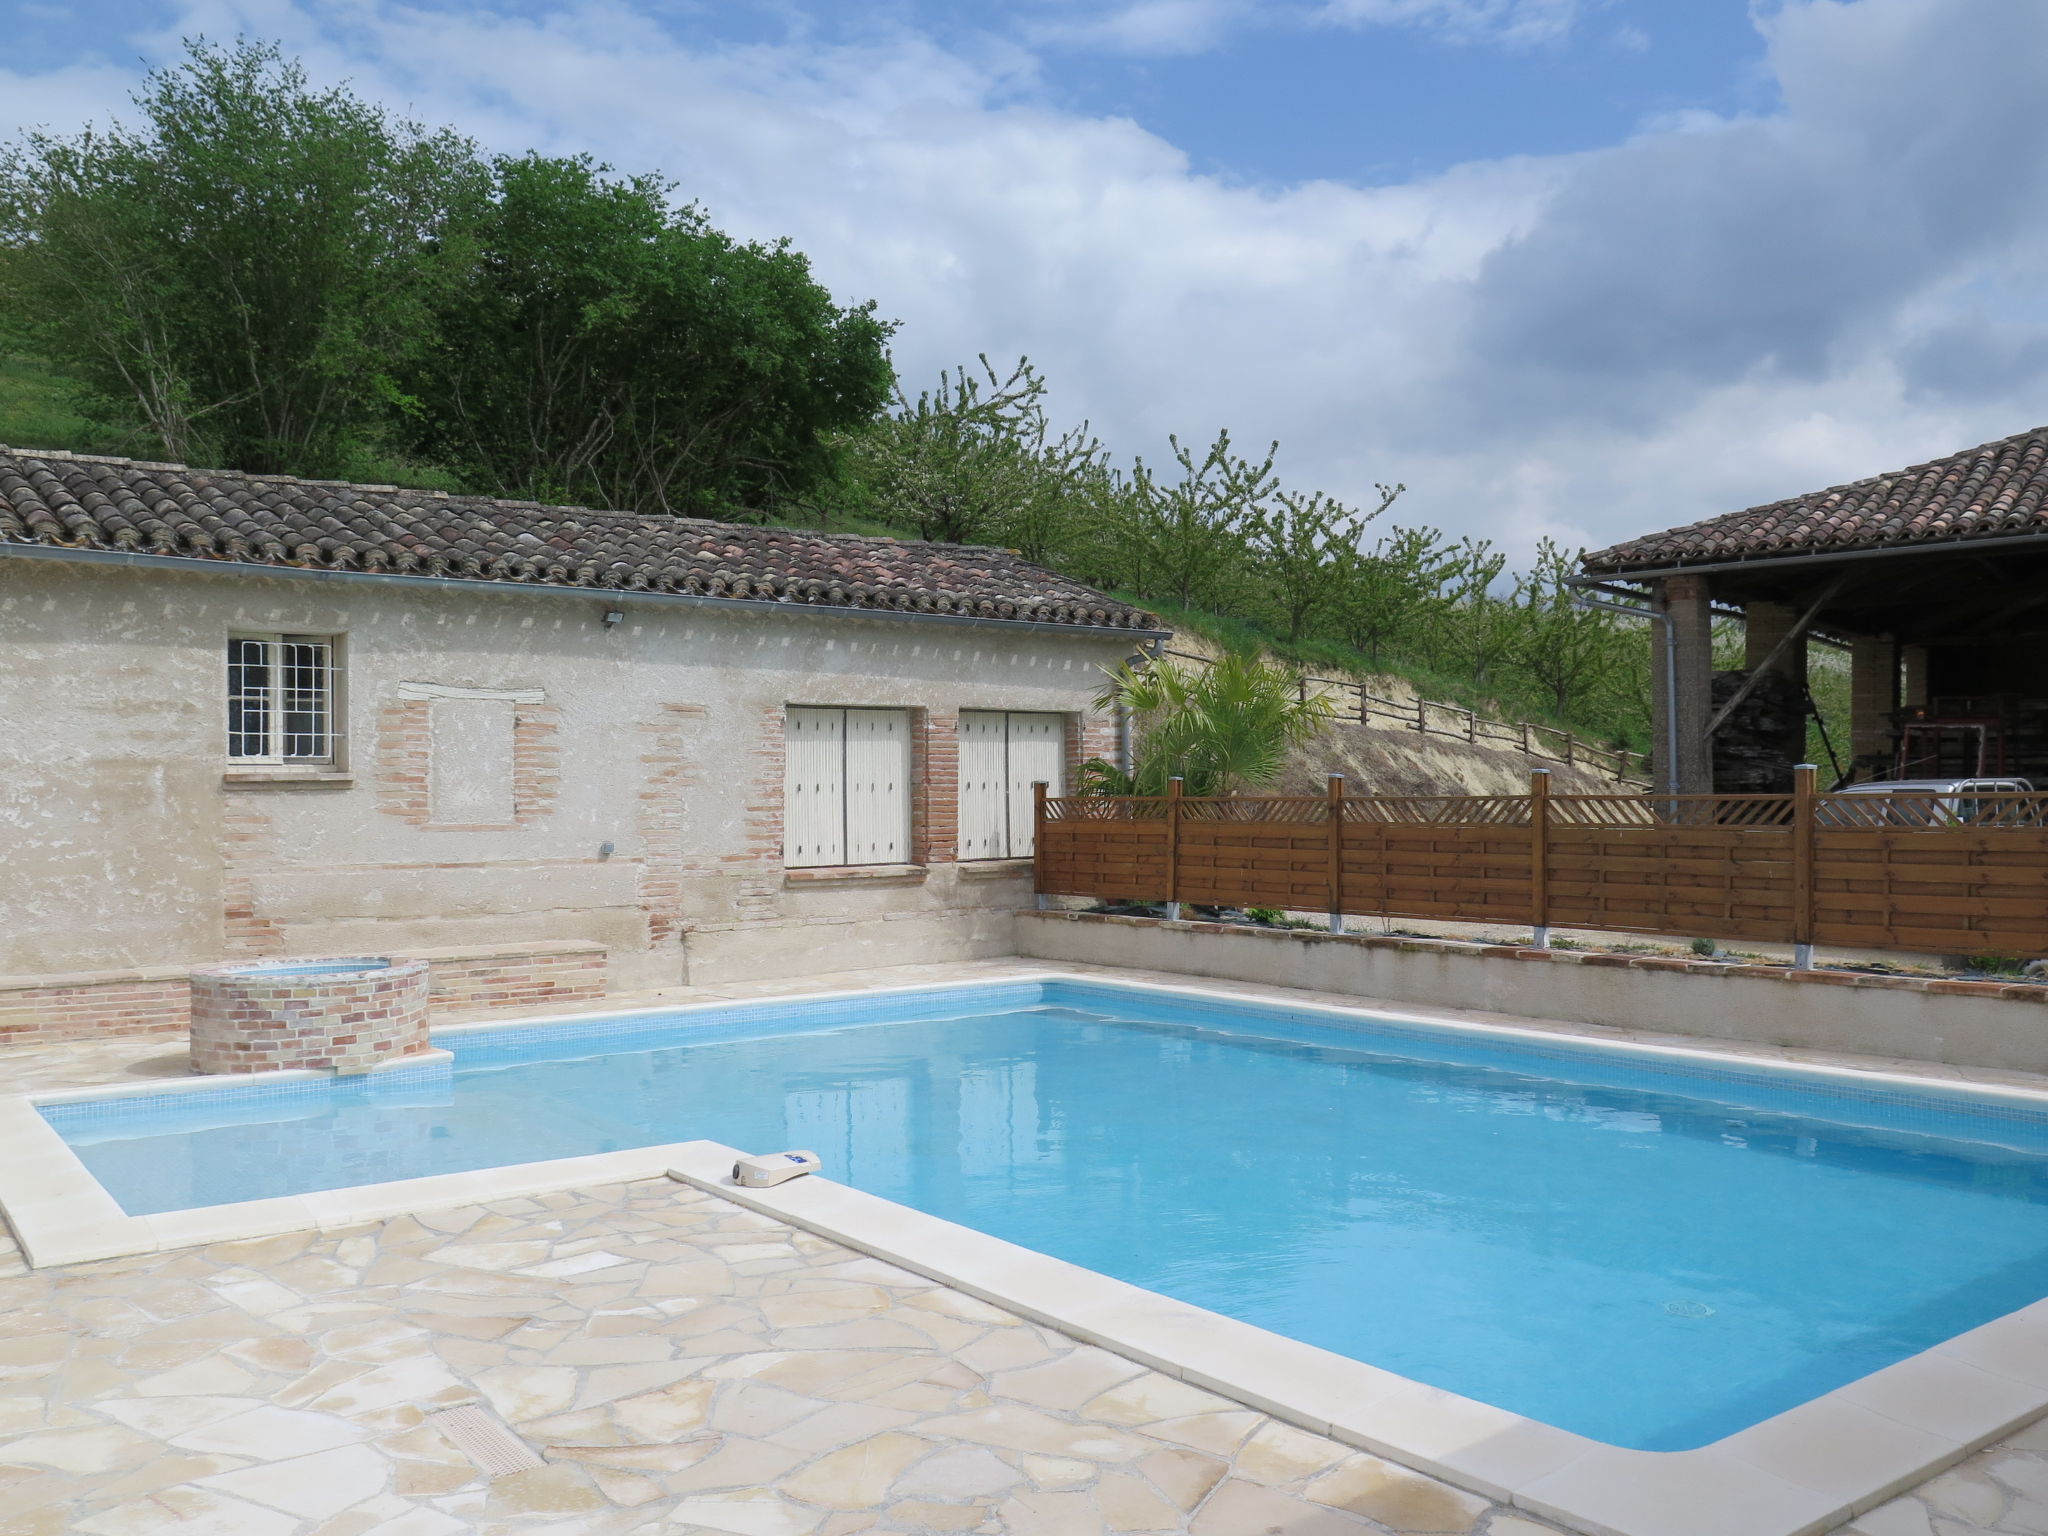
(345, 1015)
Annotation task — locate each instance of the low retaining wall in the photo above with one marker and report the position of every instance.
(35, 1010)
(40, 1010)
(1959, 1023)
(513, 975)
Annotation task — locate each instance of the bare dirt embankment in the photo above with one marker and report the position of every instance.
(1390, 760)
(1387, 758)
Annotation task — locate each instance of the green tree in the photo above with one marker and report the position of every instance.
(1184, 540)
(1219, 729)
(605, 346)
(1472, 631)
(247, 270)
(1300, 548)
(976, 461)
(1388, 596)
(1568, 652)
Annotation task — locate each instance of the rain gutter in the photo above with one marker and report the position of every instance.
(612, 595)
(1815, 557)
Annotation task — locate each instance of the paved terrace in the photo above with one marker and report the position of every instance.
(676, 1364)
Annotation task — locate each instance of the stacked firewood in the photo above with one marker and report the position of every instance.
(1757, 745)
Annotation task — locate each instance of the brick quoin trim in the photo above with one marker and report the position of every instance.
(405, 755)
(668, 777)
(248, 847)
(757, 893)
(935, 805)
(536, 762)
(1088, 736)
(403, 733)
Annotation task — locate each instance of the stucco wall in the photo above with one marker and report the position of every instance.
(1960, 1023)
(127, 847)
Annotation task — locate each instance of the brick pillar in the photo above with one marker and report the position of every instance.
(1763, 626)
(1873, 696)
(1913, 674)
(1686, 600)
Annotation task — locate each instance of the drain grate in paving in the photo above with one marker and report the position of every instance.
(485, 1441)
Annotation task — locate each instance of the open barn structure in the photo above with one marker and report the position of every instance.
(1936, 579)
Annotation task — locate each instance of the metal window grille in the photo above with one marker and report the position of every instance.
(281, 699)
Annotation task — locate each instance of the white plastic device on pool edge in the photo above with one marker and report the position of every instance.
(774, 1168)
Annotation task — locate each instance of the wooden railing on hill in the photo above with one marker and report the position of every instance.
(1930, 874)
(1434, 718)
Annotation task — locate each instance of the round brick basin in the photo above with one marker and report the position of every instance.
(347, 1015)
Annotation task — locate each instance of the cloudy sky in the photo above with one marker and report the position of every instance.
(1578, 267)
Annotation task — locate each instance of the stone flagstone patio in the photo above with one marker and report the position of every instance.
(674, 1364)
(679, 1364)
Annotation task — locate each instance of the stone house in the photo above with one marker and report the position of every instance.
(554, 749)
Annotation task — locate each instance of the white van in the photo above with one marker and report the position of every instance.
(1935, 803)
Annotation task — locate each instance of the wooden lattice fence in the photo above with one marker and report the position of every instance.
(1955, 875)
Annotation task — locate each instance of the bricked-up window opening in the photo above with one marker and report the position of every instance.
(281, 691)
(846, 787)
(1002, 753)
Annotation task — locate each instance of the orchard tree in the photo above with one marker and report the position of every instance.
(1299, 548)
(975, 461)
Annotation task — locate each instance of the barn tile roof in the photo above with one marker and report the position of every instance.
(77, 501)
(1998, 489)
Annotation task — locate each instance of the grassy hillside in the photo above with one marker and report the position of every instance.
(37, 411)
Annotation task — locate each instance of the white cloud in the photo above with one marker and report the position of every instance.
(1144, 27)
(1517, 23)
(1714, 313)
(1164, 27)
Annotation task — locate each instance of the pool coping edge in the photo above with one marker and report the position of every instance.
(1732, 1487)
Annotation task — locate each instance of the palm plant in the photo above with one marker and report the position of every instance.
(1219, 729)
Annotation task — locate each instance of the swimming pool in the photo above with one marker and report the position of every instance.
(1642, 1249)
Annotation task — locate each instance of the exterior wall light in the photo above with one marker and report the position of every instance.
(613, 618)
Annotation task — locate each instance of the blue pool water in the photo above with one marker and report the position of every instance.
(1645, 1252)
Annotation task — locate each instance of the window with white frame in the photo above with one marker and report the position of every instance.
(846, 787)
(281, 699)
(1002, 754)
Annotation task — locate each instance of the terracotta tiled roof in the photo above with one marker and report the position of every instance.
(81, 502)
(1997, 490)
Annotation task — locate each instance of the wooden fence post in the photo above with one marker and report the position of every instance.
(1804, 816)
(1539, 856)
(1038, 790)
(1173, 793)
(1335, 786)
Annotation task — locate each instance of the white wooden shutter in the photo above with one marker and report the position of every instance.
(1038, 750)
(814, 787)
(877, 786)
(984, 777)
